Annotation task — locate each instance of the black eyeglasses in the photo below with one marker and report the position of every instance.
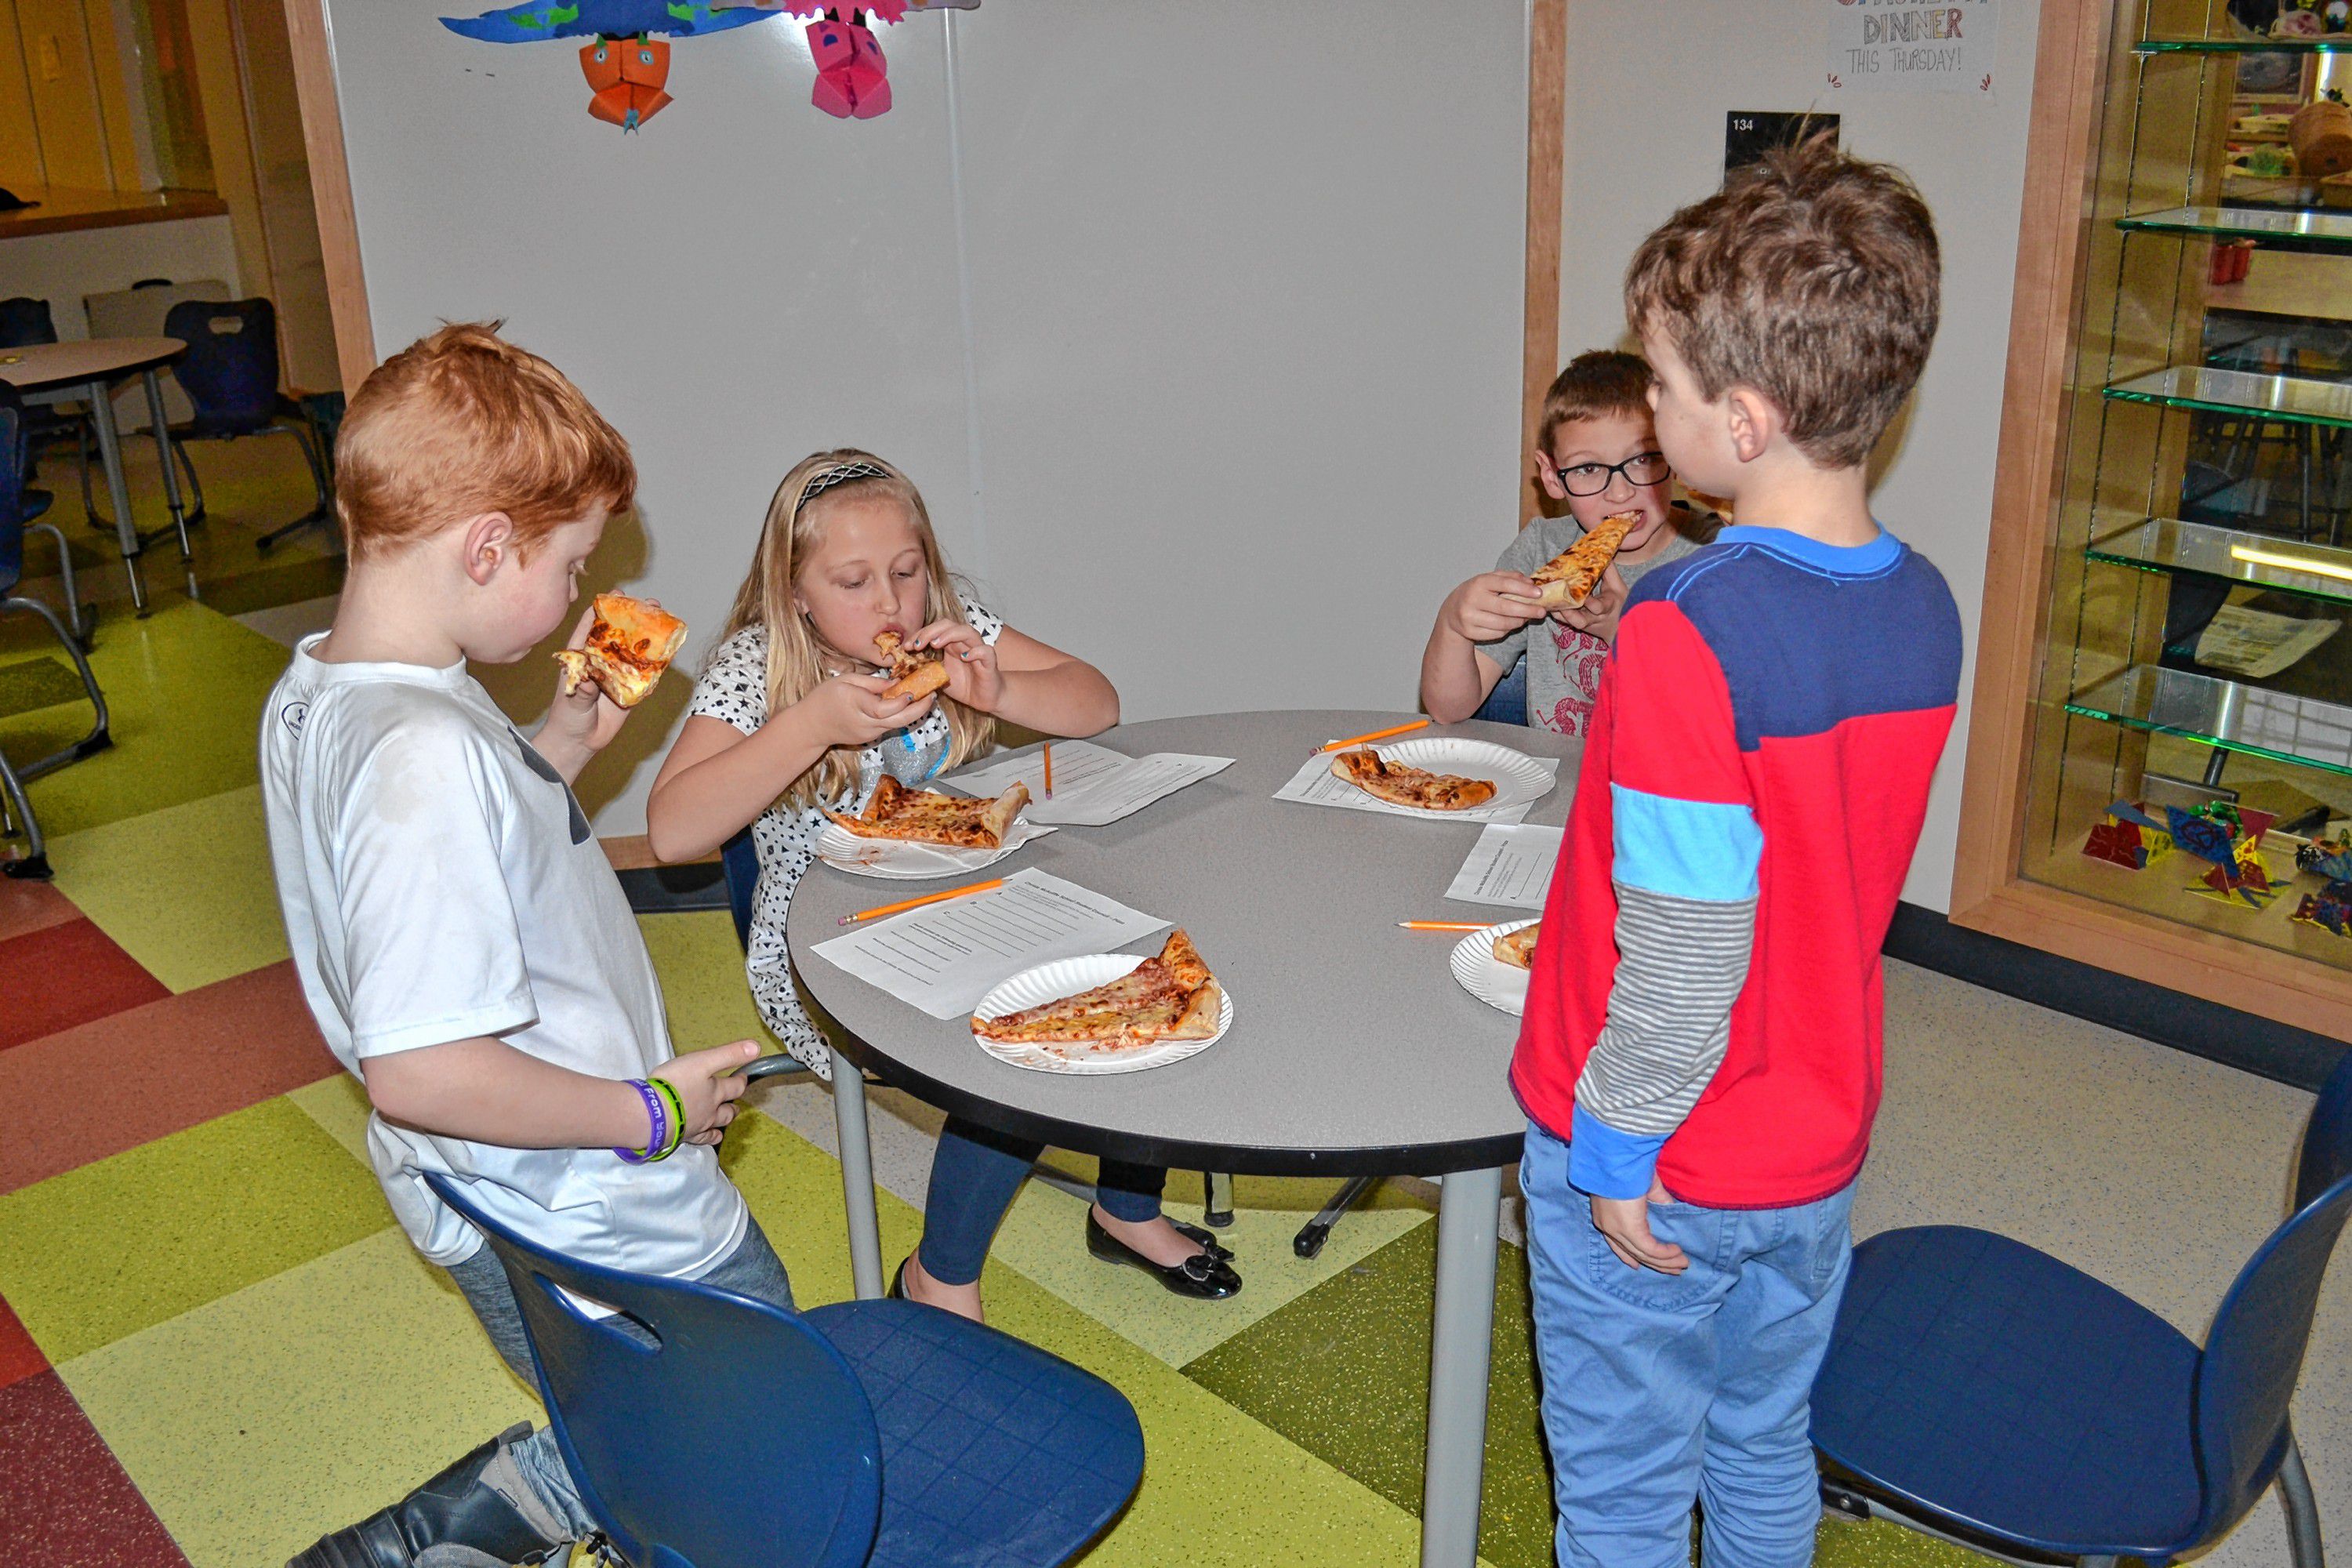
(1641, 469)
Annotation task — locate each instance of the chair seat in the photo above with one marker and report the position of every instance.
(1995, 1385)
(994, 1452)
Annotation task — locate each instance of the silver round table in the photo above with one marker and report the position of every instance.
(87, 370)
(1352, 1049)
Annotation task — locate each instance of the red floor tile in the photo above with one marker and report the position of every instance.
(163, 1066)
(69, 1503)
(68, 975)
(20, 1358)
(32, 906)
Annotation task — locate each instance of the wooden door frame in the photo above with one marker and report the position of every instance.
(312, 39)
(1547, 177)
(1988, 892)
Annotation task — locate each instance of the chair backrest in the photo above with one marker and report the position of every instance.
(1508, 703)
(739, 1436)
(11, 496)
(739, 859)
(25, 321)
(2253, 1354)
(140, 311)
(230, 371)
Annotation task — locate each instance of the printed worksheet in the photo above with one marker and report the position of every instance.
(1510, 864)
(1093, 786)
(1316, 784)
(944, 958)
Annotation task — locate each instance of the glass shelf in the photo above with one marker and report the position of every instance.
(2225, 713)
(2244, 223)
(2330, 44)
(2263, 560)
(2284, 397)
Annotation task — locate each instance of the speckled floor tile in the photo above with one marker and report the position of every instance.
(184, 688)
(340, 1104)
(31, 906)
(69, 1504)
(1219, 1491)
(67, 974)
(287, 625)
(270, 1415)
(20, 1358)
(701, 969)
(187, 891)
(113, 1248)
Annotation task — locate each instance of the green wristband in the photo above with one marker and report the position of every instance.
(677, 1118)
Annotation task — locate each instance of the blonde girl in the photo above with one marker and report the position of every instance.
(790, 714)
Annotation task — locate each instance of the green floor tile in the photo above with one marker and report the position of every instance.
(285, 581)
(185, 891)
(260, 1421)
(701, 969)
(184, 689)
(340, 1104)
(115, 1247)
(43, 681)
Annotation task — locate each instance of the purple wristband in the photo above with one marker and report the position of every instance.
(659, 1115)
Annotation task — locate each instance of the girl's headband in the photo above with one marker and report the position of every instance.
(837, 476)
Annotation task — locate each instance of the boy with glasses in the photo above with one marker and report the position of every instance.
(1598, 452)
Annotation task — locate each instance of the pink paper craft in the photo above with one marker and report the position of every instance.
(851, 79)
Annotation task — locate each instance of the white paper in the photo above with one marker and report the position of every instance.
(1093, 786)
(945, 957)
(1912, 46)
(1316, 784)
(2259, 644)
(1510, 864)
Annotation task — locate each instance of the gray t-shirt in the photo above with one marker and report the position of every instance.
(1564, 664)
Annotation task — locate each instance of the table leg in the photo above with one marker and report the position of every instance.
(163, 455)
(857, 1179)
(1461, 1338)
(110, 451)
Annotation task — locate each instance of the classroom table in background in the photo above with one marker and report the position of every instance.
(1352, 1050)
(86, 371)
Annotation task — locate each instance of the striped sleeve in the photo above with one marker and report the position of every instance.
(1685, 852)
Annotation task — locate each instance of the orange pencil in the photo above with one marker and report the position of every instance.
(1375, 735)
(1049, 770)
(989, 886)
(1441, 925)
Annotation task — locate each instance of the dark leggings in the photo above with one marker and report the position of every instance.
(974, 1175)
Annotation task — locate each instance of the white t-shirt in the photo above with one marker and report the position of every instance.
(439, 881)
(734, 690)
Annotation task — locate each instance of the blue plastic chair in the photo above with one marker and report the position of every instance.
(1508, 703)
(858, 1434)
(1984, 1391)
(18, 808)
(26, 321)
(230, 374)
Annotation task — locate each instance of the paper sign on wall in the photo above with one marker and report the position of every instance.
(1912, 46)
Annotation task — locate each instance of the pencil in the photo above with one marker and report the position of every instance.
(1049, 770)
(1441, 925)
(1375, 735)
(989, 886)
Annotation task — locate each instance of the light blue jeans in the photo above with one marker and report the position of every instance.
(1663, 1390)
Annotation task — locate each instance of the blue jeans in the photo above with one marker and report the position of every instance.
(975, 1174)
(1660, 1390)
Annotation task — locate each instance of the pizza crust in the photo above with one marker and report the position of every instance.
(630, 642)
(920, 674)
(930, 816)
(1569, 577)
(1170, 996)
(1517, 948)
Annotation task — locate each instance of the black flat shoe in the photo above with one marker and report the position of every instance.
(897, 1291)
(1207, 1238)
(1203, 1276)
(481, 1502)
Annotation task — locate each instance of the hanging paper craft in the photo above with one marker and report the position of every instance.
(625, 65)
(2129, 837)
(852, 77)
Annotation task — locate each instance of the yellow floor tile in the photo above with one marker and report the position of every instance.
(701, 969)
(261, 1420)
(339, 1105)
(187, 891)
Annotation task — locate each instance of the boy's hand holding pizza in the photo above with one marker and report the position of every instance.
(1491, 606)
(1598, 613)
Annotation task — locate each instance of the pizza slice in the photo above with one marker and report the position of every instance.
(1569, 577)
(1517, 949)
(1416, 787)
(918, 674)
(928, 816)
(1168, 996)
(629, 644)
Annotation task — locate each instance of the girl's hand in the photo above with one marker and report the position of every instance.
(1491, 606)
(1597, 616)
(850, 709)
(708, 1084)
(974, 676)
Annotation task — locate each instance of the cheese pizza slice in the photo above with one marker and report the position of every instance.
(629, 644)
(1517, 949)
(928, 816)
(1168, 996)
(1417, 787)
(1569, 577)
(918, 674)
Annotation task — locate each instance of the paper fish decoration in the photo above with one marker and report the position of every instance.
(627, 66)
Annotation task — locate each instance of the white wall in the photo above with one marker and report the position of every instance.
(1235, 397)
(1645, 135)
(63, 268)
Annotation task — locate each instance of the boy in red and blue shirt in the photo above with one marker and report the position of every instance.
(1700, 1057)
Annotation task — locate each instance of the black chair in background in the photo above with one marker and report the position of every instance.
(230, 374)
(25, 322)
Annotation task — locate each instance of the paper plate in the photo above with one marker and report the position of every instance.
(1518, 779)
(1067, 977)
(1502, 986)
(900, 860)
